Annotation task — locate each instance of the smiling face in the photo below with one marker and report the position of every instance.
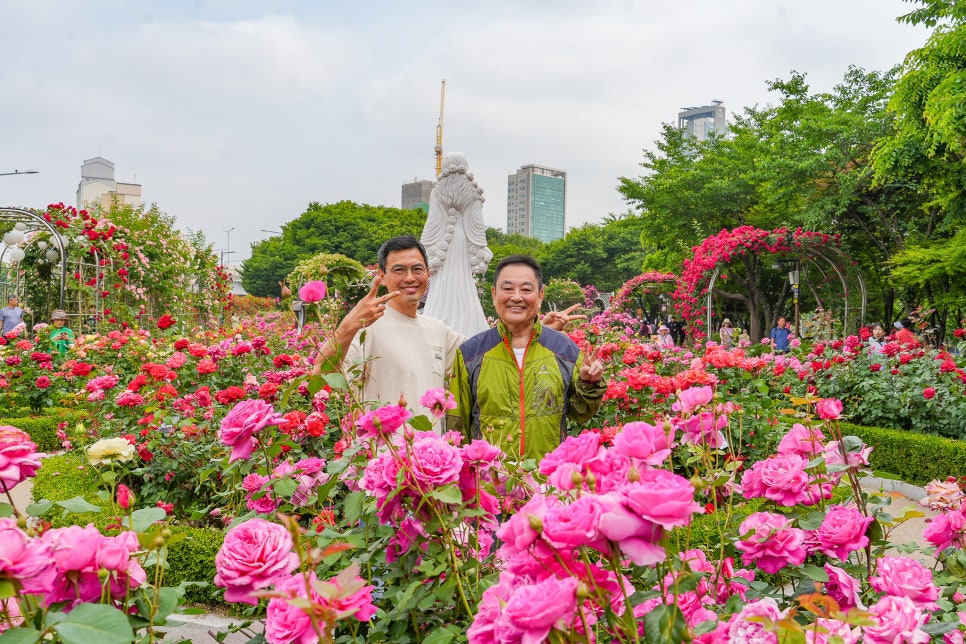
(405, 272)
(517, 296)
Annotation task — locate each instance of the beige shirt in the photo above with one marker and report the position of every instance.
(409, 357)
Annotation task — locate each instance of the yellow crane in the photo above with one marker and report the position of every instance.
(439, 131)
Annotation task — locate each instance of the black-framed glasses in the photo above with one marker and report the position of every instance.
(401, 271)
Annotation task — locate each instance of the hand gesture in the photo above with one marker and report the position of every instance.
(371, 307)
(557, 320)
(592, 370)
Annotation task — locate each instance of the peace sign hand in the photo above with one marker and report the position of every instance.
(557, 320)
(371, 307)
(592, 370)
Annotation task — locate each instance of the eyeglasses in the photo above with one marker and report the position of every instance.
(401, 271)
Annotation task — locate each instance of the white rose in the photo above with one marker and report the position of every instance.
(108, 450)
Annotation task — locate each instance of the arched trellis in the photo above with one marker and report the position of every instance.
(805, 249)
(36, 222)
(645, 283)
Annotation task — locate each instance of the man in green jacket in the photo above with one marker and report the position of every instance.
(516, 385)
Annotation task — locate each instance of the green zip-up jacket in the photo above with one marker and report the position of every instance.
(524, 411)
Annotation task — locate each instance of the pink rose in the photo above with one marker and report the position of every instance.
(929, 393)
(523, 527)
(637, 537)
(806, 441)
(946, 530)
(769, 541)
(781, 478)
(905, 577)
(843, 588)
(644, 442)
(704, 429)
(125, 497)
(19, 459)
(435, 462)
(856, 454)
(481, 454)
(691, 398)
(538, 608)
(383, 421)
(255, 555)
(26, 560)
(575, 524)
(829, 408)
(438, 401)
(247, 418)
(575, 450)
(943, 495)
(748, 632)
(843, 531)
(662, 497)
(312, 292)
(898, 620)
(832, 631)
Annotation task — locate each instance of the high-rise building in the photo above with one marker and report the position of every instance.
(699, 122)
(536, 202)
(97, 185)
(416, 194)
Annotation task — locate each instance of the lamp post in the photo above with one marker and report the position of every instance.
(794, 273)
(228, 243)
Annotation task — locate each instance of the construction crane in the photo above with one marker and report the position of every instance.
(439, 131)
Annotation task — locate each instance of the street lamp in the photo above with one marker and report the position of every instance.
(793, 276)
(228, 243)
(272, 232)
(8, 174)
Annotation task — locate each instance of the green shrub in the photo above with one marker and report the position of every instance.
(43, 429)
(193, 559)
(914, 458)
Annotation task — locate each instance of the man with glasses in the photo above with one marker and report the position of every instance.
(405, 353)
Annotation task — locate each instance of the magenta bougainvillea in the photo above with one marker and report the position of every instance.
(721, 249)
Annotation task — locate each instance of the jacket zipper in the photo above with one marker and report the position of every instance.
(523, 428)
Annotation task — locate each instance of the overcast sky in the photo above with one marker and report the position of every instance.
(238, 113)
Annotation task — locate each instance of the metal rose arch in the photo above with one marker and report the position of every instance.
(23, 228)
(814, 263)
(653, 284)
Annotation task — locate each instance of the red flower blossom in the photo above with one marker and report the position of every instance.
(166, 321)
(43, 382)
(928, 393)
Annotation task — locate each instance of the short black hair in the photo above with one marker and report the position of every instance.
(403, 242)
(525, 260)
(12, 297)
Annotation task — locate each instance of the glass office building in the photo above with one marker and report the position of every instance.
(537, 202)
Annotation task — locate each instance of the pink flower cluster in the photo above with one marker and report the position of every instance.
(285, 621)
(308, 473)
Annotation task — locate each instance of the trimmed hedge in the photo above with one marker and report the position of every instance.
(43, 429)
(914, 458)
(64, 476)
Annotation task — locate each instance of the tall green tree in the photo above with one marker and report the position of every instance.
(344, 228)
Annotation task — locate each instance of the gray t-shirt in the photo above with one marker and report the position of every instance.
(11, 316)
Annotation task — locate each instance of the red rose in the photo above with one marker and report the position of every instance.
(928, 393)
(181, 344)
(875, 367)
(166, 321)
(43, 382)
(959, 333)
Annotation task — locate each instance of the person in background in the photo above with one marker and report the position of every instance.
(61, 336)
(11, 314)
(677, 329)
(878, 340)
(517, 385)
(779, 336)
(726, 333)
(664, 338)
(904, 336)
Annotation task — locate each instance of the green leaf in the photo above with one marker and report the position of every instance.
(815, 573)
(353, 506)
(146, 517)
(20, 635)
(336, 380)
(447, 494)
(285, 487)
(421, 424)
(38, 508)
(7, 588)
(439, 636)
(6, 510)
(665, 624)
(78, 505)
(94, 624)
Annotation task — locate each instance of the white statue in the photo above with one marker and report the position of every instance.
(455, 241)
